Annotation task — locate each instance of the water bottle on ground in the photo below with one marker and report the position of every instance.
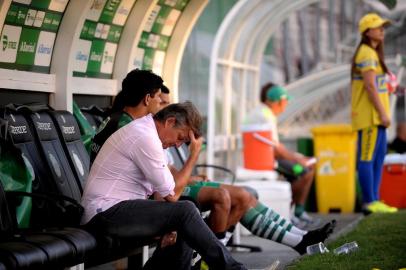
(319, 248)
(346, 248)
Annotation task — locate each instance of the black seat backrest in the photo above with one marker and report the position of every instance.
(94, 114)
(106, 130)
(53, 154)
(91, 120)
(23, 139)
(68, 129)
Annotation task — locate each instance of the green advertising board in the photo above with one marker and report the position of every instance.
(157, 33)
(29, 33)
(100, 35)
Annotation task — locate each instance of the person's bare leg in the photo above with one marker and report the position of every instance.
(241, 201)
(219, 202)
(301, 187)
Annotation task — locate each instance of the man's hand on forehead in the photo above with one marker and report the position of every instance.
(195, 144)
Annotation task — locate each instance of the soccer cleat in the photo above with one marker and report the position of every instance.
(380, 207)
(315, 236)
(388, 208)
(305, 221)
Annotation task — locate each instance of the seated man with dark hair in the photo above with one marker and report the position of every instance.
(296, 168)
(131, 166)
(139, 96)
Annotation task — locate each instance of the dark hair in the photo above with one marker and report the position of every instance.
(135, 86)
(164, 89)
(264, 91)
(379, 50)
(186, 115)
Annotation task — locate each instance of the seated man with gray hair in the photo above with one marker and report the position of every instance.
(130, 167)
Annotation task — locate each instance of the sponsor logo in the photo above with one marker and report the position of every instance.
(80, 56)
(21, 15)
(117, 34)
(107, 58)
(94, 147)
(12, 13)
(44, 50)
(111, 6)
(44, 126)
(68, 130)
(123, 11)
(95, 57)
(18, 129)
(8, 44)
(27, 47)
(97, 4)
(381, 83)
(55, 22)
(47, 20)
(160, 20)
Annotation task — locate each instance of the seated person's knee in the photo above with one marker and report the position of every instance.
(222, 196)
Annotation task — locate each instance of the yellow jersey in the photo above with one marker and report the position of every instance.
(363, 112)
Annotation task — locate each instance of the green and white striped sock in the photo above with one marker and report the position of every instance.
(272, 215)
(264, 227)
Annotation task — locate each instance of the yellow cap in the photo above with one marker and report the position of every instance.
(371, 20)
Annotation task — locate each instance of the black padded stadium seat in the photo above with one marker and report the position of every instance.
(53, 154)
(95, 124)
(23, 139)
(32, 250)
(68, 129)
(35, 134)
(94, 114)
(21, 255)
(48, 248)
(43, 150)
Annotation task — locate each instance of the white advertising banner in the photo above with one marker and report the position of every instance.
(82, 55)
(96, 10)
(29, 20)
(122, 12)
(58, 5)
(139, 58)
(170, 22)
(27, 2)
(108, 58)
(151, 18)
(9, 43)
(44, 48)
(158, 64)
(39, 19)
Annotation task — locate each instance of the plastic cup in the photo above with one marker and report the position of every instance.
(319, 248)
(346, 248)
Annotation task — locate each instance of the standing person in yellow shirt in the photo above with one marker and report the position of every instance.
(370, 109)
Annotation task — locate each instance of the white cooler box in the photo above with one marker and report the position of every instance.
(273, 193)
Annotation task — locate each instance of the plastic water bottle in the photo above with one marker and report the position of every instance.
(319, 248)
(346, 248)
(297, 169)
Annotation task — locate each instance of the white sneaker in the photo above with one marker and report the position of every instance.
(298, 222)
(306, 220)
